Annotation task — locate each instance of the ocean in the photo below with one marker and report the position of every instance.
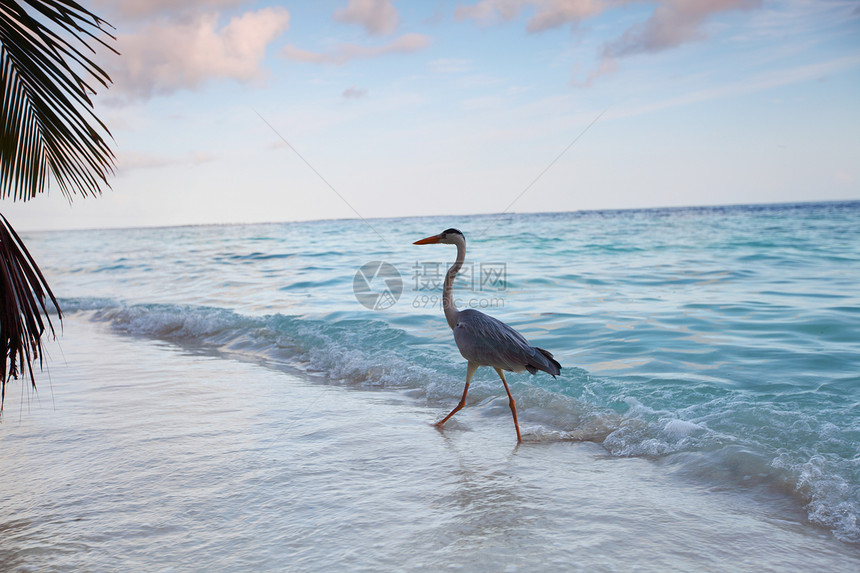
(262, 396)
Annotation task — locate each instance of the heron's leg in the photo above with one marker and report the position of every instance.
(511, 402)
(470, 371)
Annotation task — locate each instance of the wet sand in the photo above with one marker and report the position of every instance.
(141, 455)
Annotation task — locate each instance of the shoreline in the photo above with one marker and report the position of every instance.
(152, 455)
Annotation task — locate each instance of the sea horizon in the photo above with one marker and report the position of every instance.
(731, 205)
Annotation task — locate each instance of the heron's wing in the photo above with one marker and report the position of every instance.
(490, 342)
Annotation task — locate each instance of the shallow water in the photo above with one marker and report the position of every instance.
(717, 346)
(147, 456)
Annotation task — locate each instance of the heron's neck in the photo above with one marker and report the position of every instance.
(451, 312)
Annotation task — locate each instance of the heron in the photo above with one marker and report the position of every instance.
(484, 340)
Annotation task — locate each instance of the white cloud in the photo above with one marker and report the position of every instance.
(547, 13)
(131, 10)
(450, 66)
(164, 57)
(765, 81)
(343, 53)
(671, 24)
(488, 11)
(378, 17)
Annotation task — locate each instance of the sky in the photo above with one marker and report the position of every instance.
(230, 111)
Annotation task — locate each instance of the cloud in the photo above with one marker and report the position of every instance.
(674, 22)
(131, 10)
(343, 53)
(558, 13)
(749, 85)
(133, 161)
(354, 93)
(379, 17)
(487, 12)
(164, 57)
(450, 66)
(607, 66)
(547, 13)
(671, 24)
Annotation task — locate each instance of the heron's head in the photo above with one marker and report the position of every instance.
(448, 237)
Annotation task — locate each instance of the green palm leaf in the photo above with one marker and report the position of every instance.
(49, 132)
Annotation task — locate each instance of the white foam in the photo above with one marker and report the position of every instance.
(678, 429)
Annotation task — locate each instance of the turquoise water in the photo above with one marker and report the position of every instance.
(722, 342)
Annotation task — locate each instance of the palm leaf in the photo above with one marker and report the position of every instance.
(24, 291)
(47, 122)
(48, 131)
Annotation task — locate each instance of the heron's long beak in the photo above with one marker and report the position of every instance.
(427, 241)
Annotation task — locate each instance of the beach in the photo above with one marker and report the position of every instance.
(150, 457)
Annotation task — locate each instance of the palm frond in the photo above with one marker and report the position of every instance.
(47, 123)
(48, 131)
(24, 301)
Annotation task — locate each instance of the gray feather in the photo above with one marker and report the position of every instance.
(487, 341)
